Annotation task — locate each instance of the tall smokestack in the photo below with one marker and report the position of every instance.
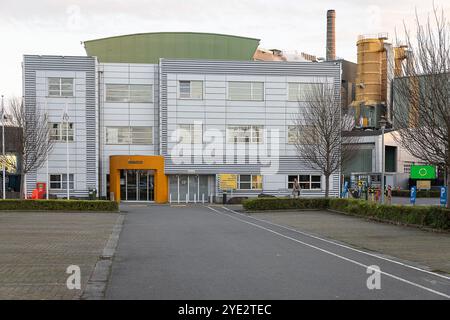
(331, 35)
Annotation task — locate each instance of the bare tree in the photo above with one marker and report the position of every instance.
(422, 94)
(319, 127)
(33, 143)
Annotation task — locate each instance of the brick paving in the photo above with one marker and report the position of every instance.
(37, 247)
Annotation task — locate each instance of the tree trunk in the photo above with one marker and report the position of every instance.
(327, 185)
(25, 193)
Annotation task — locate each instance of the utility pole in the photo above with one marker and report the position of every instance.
(383, 126)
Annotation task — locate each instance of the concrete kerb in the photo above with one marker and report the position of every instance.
(96, 286)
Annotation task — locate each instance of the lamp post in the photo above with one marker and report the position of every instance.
(3, 150)
(383, 127)
(65, 119)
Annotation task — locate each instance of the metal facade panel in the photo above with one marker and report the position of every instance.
(86, 91)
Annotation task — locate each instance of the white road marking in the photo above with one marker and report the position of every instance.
(334, 254)
(341, 245)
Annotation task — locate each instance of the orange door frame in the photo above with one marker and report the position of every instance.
(117, 163)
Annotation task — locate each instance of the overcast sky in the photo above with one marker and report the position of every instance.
(58, 26)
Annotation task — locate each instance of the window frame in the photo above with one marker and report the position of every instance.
(309, 182)
(127, 133)
(250, 182)
(263, 95)
(60, 89)
(301, 98)
(127, 98)
(253, 139)
(192, 132)
(61, 132)
(61, 181)
(190, 90)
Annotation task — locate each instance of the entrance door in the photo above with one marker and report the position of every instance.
(132, 185)
(137, 185)
(151, 187)
(143, 185)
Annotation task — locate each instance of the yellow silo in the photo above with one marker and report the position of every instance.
(370, 70)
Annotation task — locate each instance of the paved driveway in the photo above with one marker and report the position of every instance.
(37, 247)
(199, 252)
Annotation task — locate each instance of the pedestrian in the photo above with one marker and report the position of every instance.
(389, 194)
(296, 188)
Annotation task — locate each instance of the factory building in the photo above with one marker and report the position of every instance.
(172, 117)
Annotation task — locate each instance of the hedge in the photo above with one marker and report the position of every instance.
(424, 216)
(285, 203)
(61, 205)
(419, 194)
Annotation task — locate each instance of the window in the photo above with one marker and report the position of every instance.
(249, 182)
(301, 91)
(191, 89)
(60, 87)
(308, 182)
(189, 133)
(58, 131)
(59, 181)
(135, 93)
(301, 134)
(245, 134)
(293, 133)
(129, 135)
(239, 90)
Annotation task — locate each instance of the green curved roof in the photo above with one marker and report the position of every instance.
(150, 47)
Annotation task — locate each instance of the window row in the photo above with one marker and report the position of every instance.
(187, 89)
(190, 133)
(186, 133)
(129, 135)
(250, 90)
(254, 182)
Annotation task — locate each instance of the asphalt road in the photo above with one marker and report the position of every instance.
(199, 252)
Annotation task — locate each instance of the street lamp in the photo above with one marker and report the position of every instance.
(382, 126)
(3, 151)
(65, 119)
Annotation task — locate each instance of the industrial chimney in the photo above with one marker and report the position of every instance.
(331, 35)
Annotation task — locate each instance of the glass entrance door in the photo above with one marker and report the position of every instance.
(132, 185)
(137, 185)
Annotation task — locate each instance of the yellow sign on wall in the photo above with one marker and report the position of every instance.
(423, 184)
(228, 181)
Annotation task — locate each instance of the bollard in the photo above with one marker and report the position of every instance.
(203, 198)
(170, 198)
(187, 197)
(195, 198)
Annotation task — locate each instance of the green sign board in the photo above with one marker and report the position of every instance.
(423, 172)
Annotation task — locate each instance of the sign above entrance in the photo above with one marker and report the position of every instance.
(135, 162)
(423, 172)
(228, 181)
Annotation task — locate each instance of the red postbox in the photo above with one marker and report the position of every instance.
(39, 192)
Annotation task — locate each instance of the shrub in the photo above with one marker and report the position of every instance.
(61, 205)
(425, 216)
